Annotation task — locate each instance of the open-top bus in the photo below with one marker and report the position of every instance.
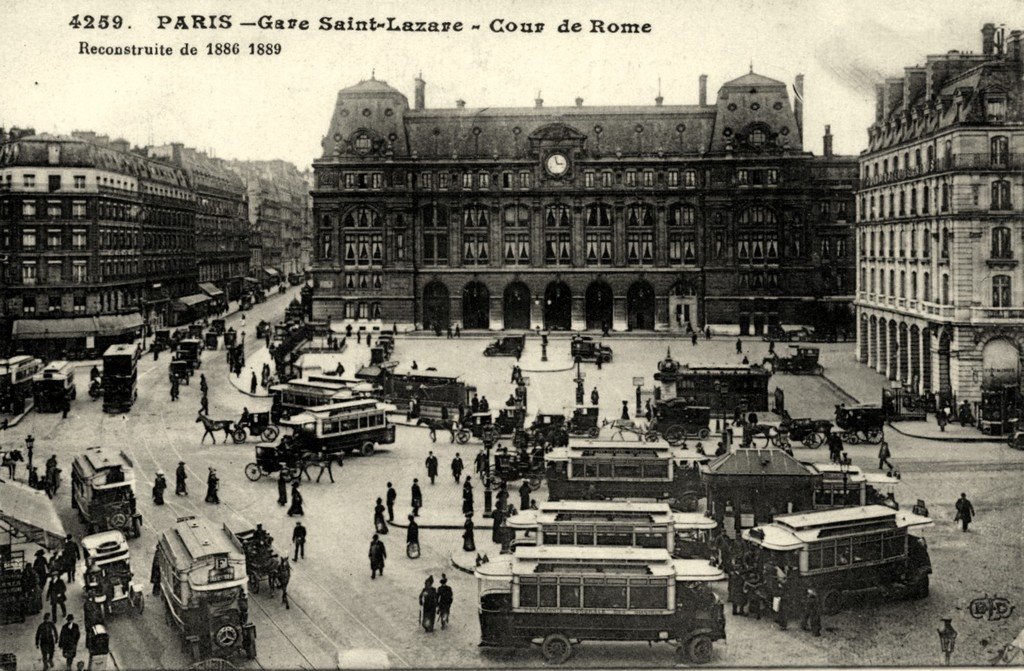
(560, 596)
(359, 424)
(847, 552)
(594, 470)
(615, 523)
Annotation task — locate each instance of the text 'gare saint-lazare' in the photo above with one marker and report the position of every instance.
(394, 24)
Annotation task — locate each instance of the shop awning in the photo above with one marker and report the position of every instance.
(211, 290)
(42, 329)
(193, 300)
(118, 324)
(29, 514)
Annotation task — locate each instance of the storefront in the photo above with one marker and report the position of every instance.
(74, 337)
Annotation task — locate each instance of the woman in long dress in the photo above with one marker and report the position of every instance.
(378, 518)
(468, 541)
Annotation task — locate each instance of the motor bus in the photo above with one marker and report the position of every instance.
(300, 394)
(120, 377)
(595, 470)
(203, 583)
(615, 523)
(359, 424)
(723, 389)
(841, 486)
(103, 491)
(402, 384)
(54, 385)
(847, 553)
(563, 595)
(16, 376)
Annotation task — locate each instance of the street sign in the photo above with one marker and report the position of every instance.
(638, 382)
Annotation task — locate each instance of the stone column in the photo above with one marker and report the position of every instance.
(497, 318)
(619, 320)
(579, 317)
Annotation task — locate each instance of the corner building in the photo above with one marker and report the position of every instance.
(940, 299)
(652, 217)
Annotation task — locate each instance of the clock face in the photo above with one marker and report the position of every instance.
(557, 164)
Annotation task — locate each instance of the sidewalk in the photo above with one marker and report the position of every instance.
(954, 433)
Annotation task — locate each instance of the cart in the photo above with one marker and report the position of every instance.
(585, 348)
(261, 561)
(245, 303)
(520, 464)
(478, 425)
(180, 370)
(162, 339)
(811, 432)
(676, 419)
(271, 459)
(230, 338)
(262, 329)
(510, 420)
(258, 424)
(195, 331)
(217, 326)
(802, 360)
(584, 422)
(506, 346)
(860, 423)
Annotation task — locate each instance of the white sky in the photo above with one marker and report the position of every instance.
(278, 107)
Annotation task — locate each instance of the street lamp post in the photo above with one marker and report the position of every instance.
(947, 638)
(579, 382)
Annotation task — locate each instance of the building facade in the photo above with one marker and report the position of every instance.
(634, 217)
(96, 239)
(940, 295)
(222, 216)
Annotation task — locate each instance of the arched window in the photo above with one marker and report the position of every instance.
(757, 215)
(1000, 195)
(361, 217)
(1001, 297)
(945, 289)
(949, 151)
(557, 216)
(917, 158)
(516, 215)
(913, 201)
(892, 205)
(639, 214)
(999, 151)
(892, 282)
(1002, 247)
(599, 214)
(903, 203)
(926, 286)
(930, 156)
(925, 193)
(913, 285)
(903, 284)
(681, 215)
(892, 243)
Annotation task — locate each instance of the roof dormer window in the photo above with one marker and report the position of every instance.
(995, 108)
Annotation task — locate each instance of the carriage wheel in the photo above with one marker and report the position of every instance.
(777, 439)
(252, 471)
(674, 434)
(270, 434)
(593, 432)
(367, 449)
(850, 437)
(812, 440)
(462, 436)
(704, 433)
(699, 649)
(652, 436)
(874, 436)
(238, 436)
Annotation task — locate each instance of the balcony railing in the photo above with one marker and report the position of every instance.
(997, 314)
(936, 310)
(955, 162)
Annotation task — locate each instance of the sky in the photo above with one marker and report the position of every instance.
(269, 107)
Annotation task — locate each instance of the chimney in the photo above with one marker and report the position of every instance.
(538, 102)
(826, 141)
(461, 104)
(1014, 48)
(120, 144)
(659, 100)
(176, 150)
(421, 93)
(798, 104)
(703, 90)
(579, 102)
(988, 41)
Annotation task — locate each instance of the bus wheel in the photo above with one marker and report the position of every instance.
(556, 648)
(367, 449)
(832, 602)
(699, 649)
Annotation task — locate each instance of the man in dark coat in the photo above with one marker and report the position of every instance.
(71, 555)
(253, 383)
(736, 594)
(204, 405)
(390, 499)
(412, 532)
(180, 489)
(57, 595)
(282, 488)
(428, 602)
(154, 575)
(283, 575)
(378, 553)
(480, 462)
(299, 541)
(467, 497)
(46, 640)
(159, 487)
(445, 598)
(497, 520)
(739, 346)
(68, 640)
(812, 613)
(417, 497)
(625, 410)
(296, 507)
(594, 397)
(431, 467)
(41, 567)
(524, 495)
(212, 484)
(964, 511)
(457, 467)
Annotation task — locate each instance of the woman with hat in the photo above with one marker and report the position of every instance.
(468, 542)
(212, 482)
(159, 485)
(296, 507)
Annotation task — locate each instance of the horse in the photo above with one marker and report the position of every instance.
(621, 426)
(212, 425)
(9, 459)
(436, 424)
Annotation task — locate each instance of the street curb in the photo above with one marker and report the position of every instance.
(946, 439)
(832, 384)
(14, 421)
(442, 527)
(451, 558)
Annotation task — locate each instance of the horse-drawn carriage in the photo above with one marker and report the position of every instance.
(621, 427)
(190, 350)
(506, 346)
(272, 459)
(256, 424)
(163, 339)
(261, 561)
(811, 433)
(217, 326)
(676, 418)
(802, 360)
(180, 370)
(510, 420)
(584, 422)
(520, 464)
(478, 425)
(548, 430)
(585, 348)
(860, 423)
(211, 340)
(263, 329)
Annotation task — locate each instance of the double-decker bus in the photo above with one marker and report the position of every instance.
(54, 385)
(721, 388)
(616, 524)
(595, 470)
(842, 486)
(120, 377)
(402, 384)
(847, 552)
(359, 424)
(304, 393)
(564, 595)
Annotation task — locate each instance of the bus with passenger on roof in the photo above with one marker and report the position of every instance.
(358, 424)
(560, 596)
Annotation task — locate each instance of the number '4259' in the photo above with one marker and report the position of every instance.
(101, 22)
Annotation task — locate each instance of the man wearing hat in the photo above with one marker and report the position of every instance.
(70, 555)
(46, 640)
(444, 601)
(179, 480)
(212, 482)
(812, 613)
(159, 485)
(68, 641)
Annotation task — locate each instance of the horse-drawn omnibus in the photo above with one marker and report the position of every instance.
(564, 595)
(120, 376)
(616, 523)
(595, 470)
(359, 424)
(54, 385)
(848, 552)
(203, 584)
(302, 394)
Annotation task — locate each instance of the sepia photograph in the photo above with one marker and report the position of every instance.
(522, 334)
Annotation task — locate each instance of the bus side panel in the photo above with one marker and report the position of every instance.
(590, 626)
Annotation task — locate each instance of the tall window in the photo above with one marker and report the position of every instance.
(999, 148)
(558, 248)
(1001, 243)
(557, 216)
(913, 286)
(598, 214)
(925, 196)
(945, 289)
(944, 243)
(639, 248)
(1001, 195)
(435, 235)
(1001, 291)
(516, 249)
(361, 217)
(599, 248)
(944, 198)
(926, 286)
(475, 236)
(639, 214)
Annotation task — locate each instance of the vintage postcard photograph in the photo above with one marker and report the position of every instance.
(523, 334)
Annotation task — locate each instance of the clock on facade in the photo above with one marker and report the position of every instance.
(556, 164)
